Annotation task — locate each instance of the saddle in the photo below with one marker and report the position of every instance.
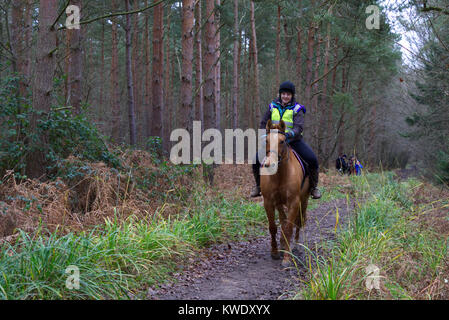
(302, 162)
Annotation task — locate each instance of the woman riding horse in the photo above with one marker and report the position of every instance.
(286, 108)
(285, 189)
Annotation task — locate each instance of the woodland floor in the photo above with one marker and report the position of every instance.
(245, 270)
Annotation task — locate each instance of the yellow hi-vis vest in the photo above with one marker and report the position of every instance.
(287, 114)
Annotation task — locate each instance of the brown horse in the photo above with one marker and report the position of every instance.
(284, 188)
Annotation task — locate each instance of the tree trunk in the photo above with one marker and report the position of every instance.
(330, 112)
(278, 51)
(136, 69)
(75, 72)
(209, 87)
(309, 71)
(115, 95)
(217, 71)
(238, 120)
(341, 132)
(18, 43)
(21, 42)
(235, 75)
(358, 116)
(129, 79)
(168, 94)
(16, 34)
(249, 91)
(187, 68)
(147, 76)
(299, 63)
(28, 42)
(255, 63)
(158, 67)
(325, 117)
(43, 84)
(102, 72)
(316, 95)
(199, 113)
(288, 44)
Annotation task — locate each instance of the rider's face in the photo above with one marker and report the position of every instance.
(286, 97)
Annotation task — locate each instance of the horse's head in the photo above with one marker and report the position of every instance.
(276, 146)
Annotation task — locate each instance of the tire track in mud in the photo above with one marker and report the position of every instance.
(245, 271)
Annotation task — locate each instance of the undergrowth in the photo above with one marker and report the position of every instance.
(389, 250)
(119, 258)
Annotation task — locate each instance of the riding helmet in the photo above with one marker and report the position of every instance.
(287, 86)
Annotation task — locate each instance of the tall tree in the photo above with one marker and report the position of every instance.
(217, 70)
(309, 63)
(209, 66)
(158, 67)
(209, 87)
(136, 69)
(255, 63)
(199, 113)
(147, 102)
(43, 83)
(168, 81)
(278, 50)
(187, 67)
(115, 95)
(235, 76)
(324, 112)
(129, 78)
(75, 72)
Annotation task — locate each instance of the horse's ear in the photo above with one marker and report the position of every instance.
(269, 124)
(282, 125)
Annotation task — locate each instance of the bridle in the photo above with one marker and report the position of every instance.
(285, 146)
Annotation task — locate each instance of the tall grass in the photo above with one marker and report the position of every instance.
(120, 257)
(382, 232)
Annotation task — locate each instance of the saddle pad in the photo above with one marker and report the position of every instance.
(300, 162)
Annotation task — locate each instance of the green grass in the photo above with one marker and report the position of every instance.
(121, 257)
(384, 232)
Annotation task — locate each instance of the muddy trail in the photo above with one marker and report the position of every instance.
(245, 270)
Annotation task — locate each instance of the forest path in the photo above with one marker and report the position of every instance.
(245, 270)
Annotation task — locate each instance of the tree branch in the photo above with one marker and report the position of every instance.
(60, 14)
(330, 70)
(427, 9)
(118, 14)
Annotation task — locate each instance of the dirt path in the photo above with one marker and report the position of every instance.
(245, 270)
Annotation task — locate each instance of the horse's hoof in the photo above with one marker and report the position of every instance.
(275, 255)
(286, 263)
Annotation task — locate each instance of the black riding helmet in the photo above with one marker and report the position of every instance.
(287, 86)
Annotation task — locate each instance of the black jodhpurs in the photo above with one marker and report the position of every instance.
(302, 149)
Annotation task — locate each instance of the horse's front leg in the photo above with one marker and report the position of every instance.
(270, 210)
(287, 229)
(282, 221)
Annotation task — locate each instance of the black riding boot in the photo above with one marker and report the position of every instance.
(256, 190)
(314, 191)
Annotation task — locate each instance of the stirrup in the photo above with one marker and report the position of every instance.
(255, 192)
(315, 196)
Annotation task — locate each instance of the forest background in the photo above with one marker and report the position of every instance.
(136, 70)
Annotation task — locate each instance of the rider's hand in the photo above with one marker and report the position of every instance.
(289, 135)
